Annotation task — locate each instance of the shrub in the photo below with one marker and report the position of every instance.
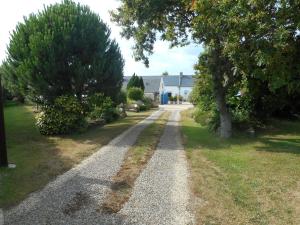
(201, 116)
(101, 107)
(209, 118)
(135, 93)
(214, 120)
(65, 116)
(148, 103)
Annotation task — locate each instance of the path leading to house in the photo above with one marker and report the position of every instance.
(160, 195)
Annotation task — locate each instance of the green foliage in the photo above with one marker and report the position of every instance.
(135, 93)
(64, 49)
(142, 19)
(201, 116)
(202, 93)
(210, 118)
(142, 85)
(122, 97)
(244, 40)
(101, 107)
(214, 122)
(148, 103)
(10, 82)
(65, 116)
(265, 103)
(136, 81)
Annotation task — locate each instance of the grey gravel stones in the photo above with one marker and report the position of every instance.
(161, 193)
(75, 196)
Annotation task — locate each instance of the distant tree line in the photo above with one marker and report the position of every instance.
(136, 81)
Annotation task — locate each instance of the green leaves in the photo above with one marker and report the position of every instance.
(64, 50)
(101, 107)
(135, 93)
(65, 116)
(136, 81)
(250, 44)
(141, 20)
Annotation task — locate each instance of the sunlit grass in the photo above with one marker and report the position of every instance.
(245, 180)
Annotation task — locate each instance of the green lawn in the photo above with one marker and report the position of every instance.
(245, 180)
(39, 159)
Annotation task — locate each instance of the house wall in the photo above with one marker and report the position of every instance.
(153, 96)
(184, 91)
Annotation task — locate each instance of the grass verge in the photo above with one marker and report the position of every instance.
(245, 180)
(135, 161)
(39, 159)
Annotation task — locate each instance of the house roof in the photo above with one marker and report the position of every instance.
(183, 81)
(151, 83)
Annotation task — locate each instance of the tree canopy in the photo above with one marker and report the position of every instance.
(243, 40)
(65, 49)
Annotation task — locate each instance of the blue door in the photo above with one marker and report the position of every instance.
(164, 99)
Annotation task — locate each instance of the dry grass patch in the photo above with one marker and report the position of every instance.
(135, 161)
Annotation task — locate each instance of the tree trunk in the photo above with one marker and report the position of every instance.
(220, 93)
(3, 150)
(225, 116)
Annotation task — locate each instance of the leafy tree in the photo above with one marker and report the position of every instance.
(243, 39)
(202, 93)
(135, 81)
(175, 20)
(64, 50)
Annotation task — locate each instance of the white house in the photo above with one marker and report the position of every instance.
(172, 85)
(177, 85)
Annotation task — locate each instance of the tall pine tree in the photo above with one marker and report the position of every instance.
(64, 50)
(136, 81)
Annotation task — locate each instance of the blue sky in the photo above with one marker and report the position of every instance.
(173, 60)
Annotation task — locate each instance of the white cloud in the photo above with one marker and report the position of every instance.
(164, 59)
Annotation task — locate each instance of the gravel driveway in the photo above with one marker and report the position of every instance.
(74, 197)
(160, 195)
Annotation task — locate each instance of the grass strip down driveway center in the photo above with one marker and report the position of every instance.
(135, 161)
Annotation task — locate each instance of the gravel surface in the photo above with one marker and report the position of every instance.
(161, 193)
(75, 196)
